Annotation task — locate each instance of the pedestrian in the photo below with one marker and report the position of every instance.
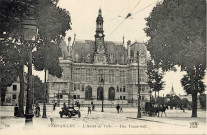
(16, 110)
(89, 109)
(37, 110)
(54, 106)
(121, 109)
(183, 108)
(93, 107)
(79, 106)
(118, 107)
(64, 105)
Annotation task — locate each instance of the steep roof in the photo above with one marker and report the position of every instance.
(137, 46)
(172, 91)
(83, 51)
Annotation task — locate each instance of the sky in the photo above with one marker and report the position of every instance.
(83, 17)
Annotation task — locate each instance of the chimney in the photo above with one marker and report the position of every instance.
(123, 39)
(128, 49)
(74, 38)
(69, 44)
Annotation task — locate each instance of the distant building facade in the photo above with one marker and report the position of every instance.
(98, 69)
(12, 93)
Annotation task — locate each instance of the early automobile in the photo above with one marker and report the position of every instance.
(69, 111)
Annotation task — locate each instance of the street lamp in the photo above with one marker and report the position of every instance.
(29, 25)
(150, 113)
(68, 99)
(44, 106)
(138, 94)
(102, 94)
(59, 97)
(150, 92)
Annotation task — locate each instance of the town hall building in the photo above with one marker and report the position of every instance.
(99, 69)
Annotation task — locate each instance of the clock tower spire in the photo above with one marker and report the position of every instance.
(99, 25)
(100, 52)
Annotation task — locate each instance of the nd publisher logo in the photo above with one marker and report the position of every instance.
(194, 124)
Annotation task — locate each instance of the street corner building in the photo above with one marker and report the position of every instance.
(100, 70)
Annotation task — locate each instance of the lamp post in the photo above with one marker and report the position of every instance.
(150, 113)
(54, 98)
(68, 99)
(29, 25)
(138, 94)
(102, 95)
(44, 106)
(150, 96)
(59, 97)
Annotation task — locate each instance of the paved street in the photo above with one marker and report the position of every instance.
(108, 122)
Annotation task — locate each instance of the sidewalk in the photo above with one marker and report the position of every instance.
(126, 122)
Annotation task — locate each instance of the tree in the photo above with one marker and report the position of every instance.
(185, 102)
(155, 77)
(7, 76)
(177, 31)
(51, 19)
(202, 99)
(38, 87)
(13, 51)
(53, 24)
(193, 84)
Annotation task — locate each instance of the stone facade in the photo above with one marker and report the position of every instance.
(92, 67)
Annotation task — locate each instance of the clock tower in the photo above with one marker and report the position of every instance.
(100, 52)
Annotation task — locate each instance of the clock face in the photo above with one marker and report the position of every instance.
(100, 59)
(100, 34)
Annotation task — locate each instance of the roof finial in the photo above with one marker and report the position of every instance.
(99, 11)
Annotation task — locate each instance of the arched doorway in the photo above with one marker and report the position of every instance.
(100, 93)
(111, 93)
(88, 93)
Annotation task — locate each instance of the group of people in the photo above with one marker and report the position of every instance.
(119, 108)
(91, 106)
(36, 112)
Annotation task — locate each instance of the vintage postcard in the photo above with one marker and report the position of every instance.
(103, 67)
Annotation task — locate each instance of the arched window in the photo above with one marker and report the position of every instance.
(100, 93)
(124, 88)
(88, 93)
(111, 93)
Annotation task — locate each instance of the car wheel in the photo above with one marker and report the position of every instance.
(69, 115)
(79, 114)
(61, 115)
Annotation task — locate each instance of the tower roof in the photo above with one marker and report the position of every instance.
(99, 18)
(172, 91)
(99, 12)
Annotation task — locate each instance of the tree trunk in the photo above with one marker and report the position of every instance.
(3, 95)
(194, 104)
(195, 93)
(21, 94)
(45, 87)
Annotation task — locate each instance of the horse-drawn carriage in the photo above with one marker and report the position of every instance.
(149, 109)
(153, 110)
